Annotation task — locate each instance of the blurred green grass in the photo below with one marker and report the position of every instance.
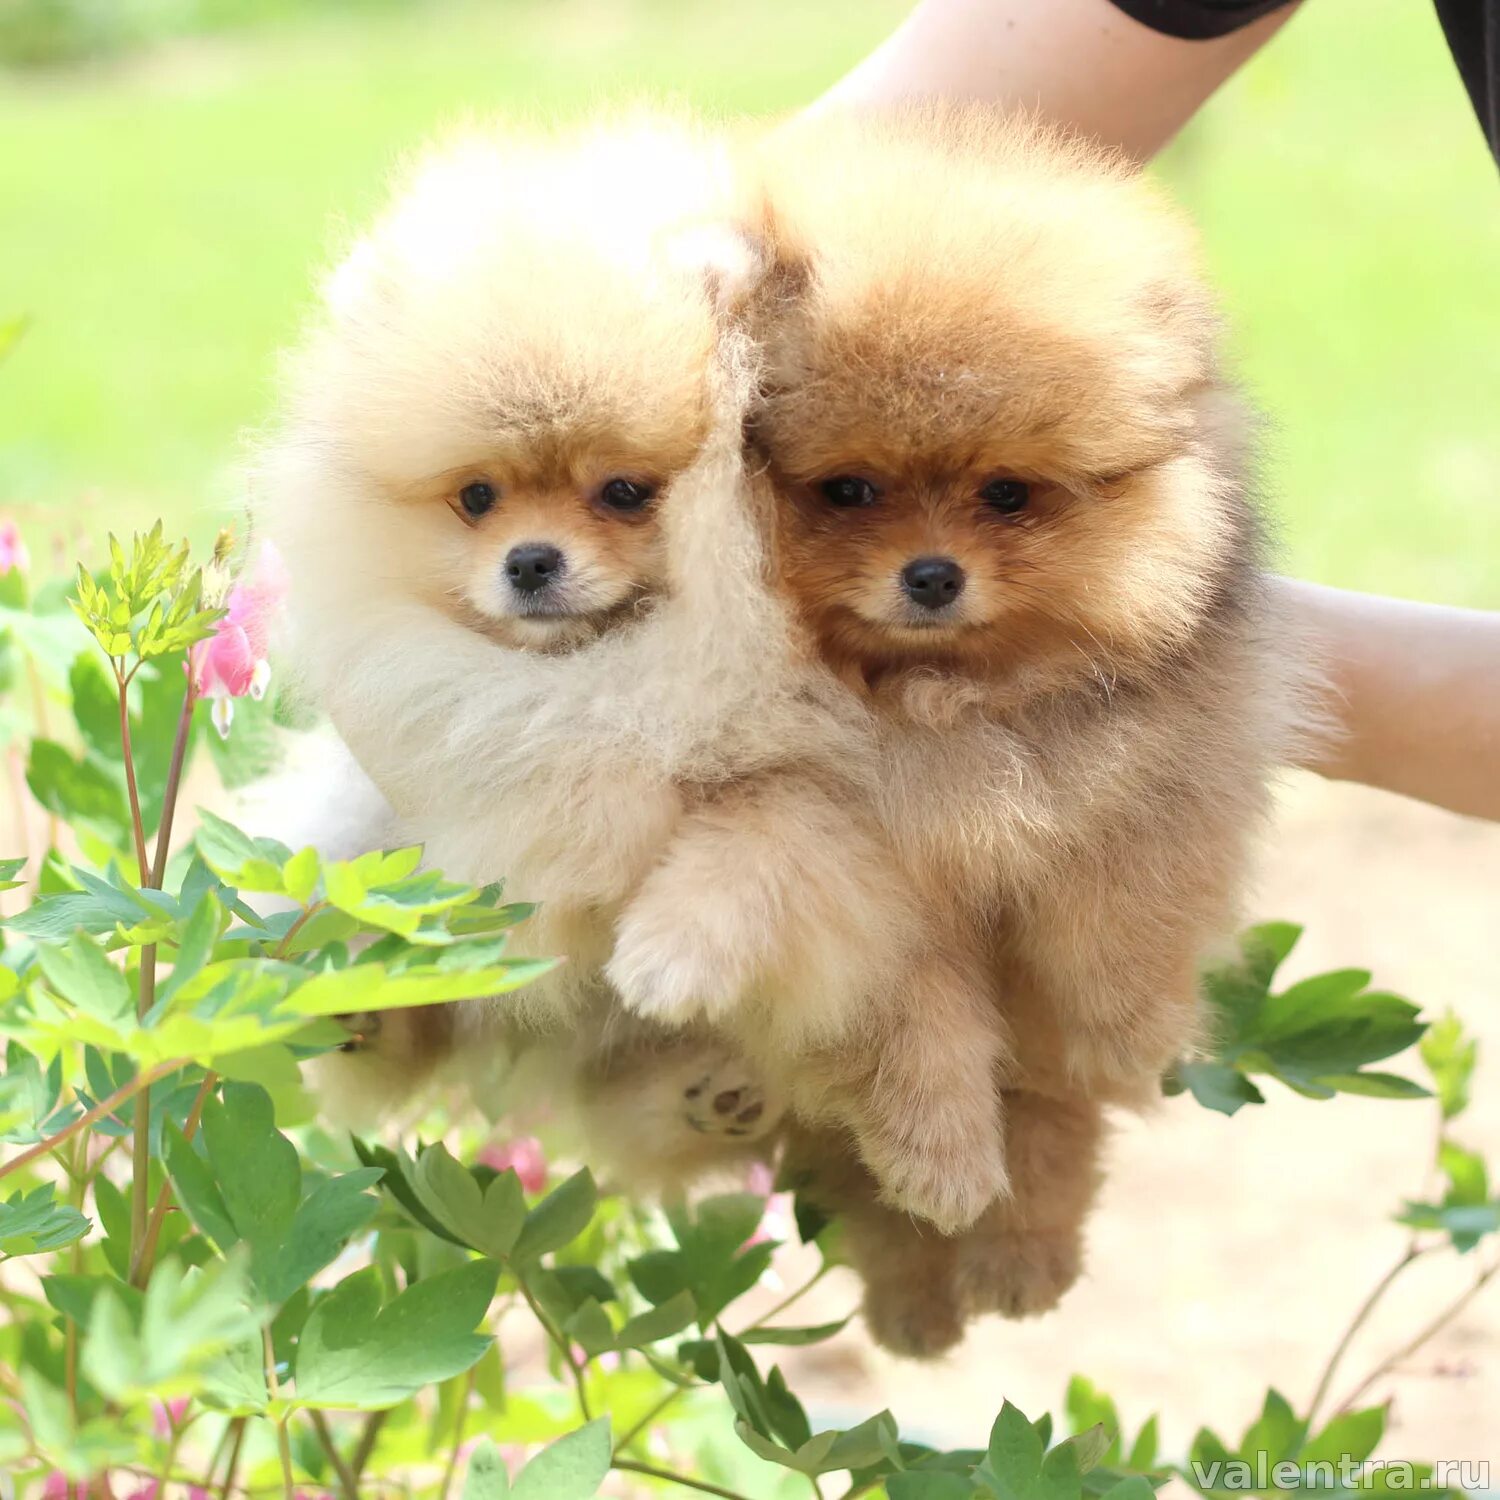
(167, 214)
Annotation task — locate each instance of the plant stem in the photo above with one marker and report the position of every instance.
(140, 1267)
(137, 1085)
(140, 1139)
(1361, 1317)
(174, 783)
(234, 1456)
(1431, 1330)
(373, 1423)
(141, 1214)
(283, 1438)
(296, 927)
(78, 1172)
(629, 1466)
(640, 1427)
(347, 1482)
(137, 826)
(788, 1301)
(140, 1155)
(460, 1421)
(563, 1348)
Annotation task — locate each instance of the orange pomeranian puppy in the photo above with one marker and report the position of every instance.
(1011, 512)
(529, 573)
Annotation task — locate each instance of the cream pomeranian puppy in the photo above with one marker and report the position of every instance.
(529, 582)
(1011, 512)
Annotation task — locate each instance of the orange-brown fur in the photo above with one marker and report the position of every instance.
(1075, 746)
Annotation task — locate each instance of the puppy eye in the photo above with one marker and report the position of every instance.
(848, 491)
(1008, 496)
(626, 494)
(477, 498)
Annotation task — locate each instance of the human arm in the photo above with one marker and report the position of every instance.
(1415, 691)
(1083, 63)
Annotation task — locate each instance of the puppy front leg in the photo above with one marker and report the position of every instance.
(770, 883)
(924, 1104)
(1027, 1250)
(911, 1303)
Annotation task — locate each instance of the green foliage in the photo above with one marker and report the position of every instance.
(1317, 1036)
(329, 1310)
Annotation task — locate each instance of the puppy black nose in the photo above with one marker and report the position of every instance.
(532, 567)
(932, 582)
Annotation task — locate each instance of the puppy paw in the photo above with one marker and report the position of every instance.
(726, 1100)
(949, 1182)
(673, 967)
(918, 1318)
(1017, 1273)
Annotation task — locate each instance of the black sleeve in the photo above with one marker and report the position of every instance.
(1473, 31)
(1471, 26)
(1198, 20)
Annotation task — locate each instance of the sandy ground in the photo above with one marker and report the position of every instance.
(1229, 1255)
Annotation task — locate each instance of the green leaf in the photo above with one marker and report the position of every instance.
(1450, 1057)
(1277, 1432)
(1351, 1436)
(255, 1193)
(398, 1184)
(1132, 1488)
(1015, 1452)
(187, 1317)
(33, 1222)
(300, 875)
(1265, 948)
(246, 863)
(1088, 1408)
(818, 1334)
(1143, 1451)
(860, 1447)
(929, 1486)
(1216, 1086)
(355, 1353)
(486, 1219)
(487, 1477)
(83, 974)
(195, 944)
(76, 790)
(96, 705)
(1466, 1223)
(589, 1327)
(572, 1468)
(671, 1317)
(235, 1383)
(658, 1275)
(1468, 1179)
(1375, 1085)
(558, 1219)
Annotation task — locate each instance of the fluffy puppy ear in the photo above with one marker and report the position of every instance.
(728, 258)
(357, 286)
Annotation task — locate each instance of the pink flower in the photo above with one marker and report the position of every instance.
(14, 553)
(233, 662)
(55, 1486)
(165, 1415)
(522, 1154)
(148, 1491)
(774, 1223)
